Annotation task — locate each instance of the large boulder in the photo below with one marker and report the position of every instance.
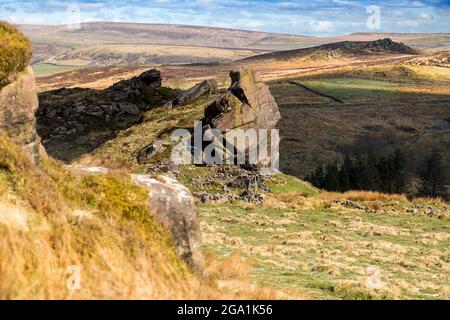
(18, 104)
(248, 103)
(173, 206)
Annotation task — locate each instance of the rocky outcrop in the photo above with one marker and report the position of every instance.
(174, 207)
(248, 103)
(338, 50)
(389, 46)
(200, 90)
(143, 88)
(18, 104)
(74, 121)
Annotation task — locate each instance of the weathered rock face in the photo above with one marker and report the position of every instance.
(248, 103)
(201, 89)
(18, 104)
(72, 122)
(174, 207)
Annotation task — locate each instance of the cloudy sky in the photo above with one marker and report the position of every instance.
(310, 17)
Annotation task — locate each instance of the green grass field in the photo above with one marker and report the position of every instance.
(47, 69)
(351, 89)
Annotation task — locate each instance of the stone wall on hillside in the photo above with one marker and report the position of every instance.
(18, 104)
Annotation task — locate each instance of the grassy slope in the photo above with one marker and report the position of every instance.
(51, 220)
(15, 53)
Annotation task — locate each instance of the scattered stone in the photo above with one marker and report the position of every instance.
(237, 184)
(129, 108)
(166, 168)
(356, 205)
(145, 154)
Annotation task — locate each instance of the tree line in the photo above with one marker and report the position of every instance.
(386, 174)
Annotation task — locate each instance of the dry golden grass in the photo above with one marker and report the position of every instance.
(285, 200)
(374, 205)
(98, 225)
(231, 276)
(429, 201)
(446, 293)
(233, 267)
(363, 196)
(327, 251)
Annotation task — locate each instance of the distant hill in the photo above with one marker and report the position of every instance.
(400, 34)
(108, 44)
(98, 44)
(340, 49)
(162, 34)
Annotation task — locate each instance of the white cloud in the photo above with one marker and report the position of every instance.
(408, 23)
(255, 24)
(425, 16)
(322, 26)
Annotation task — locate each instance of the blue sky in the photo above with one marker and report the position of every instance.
(310, 17)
